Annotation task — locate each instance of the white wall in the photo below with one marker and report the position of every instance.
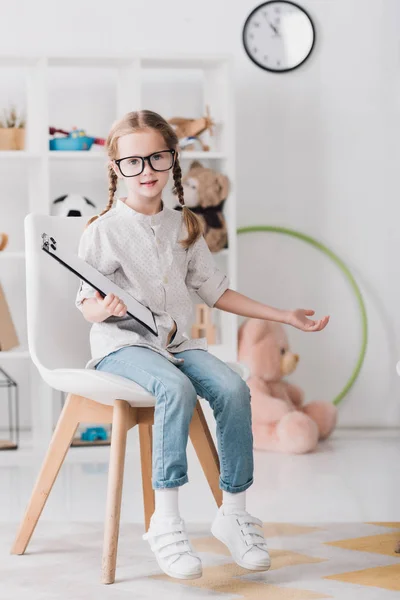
(317, 151)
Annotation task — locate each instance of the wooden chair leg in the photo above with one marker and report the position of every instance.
(146, 439)
(59, 445)
(206, 452)
(123, 416)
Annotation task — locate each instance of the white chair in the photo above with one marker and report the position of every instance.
(58, 338)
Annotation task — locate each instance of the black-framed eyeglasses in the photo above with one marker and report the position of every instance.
(131, 166)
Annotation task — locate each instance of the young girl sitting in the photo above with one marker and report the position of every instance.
(159, 255)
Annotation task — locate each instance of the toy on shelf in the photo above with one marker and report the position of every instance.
(205, 192)
(203, 326)
(94, 434)
(74, 140)
(189, 130)
(73, 205)
(280, 420)
(12, 130)
(190, 143)
(3, 241)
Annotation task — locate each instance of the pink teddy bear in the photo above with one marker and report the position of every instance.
(281, 422)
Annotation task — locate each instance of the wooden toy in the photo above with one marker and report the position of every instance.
(203, 326)
(193, 128)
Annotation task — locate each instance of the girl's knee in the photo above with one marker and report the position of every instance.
(178, 388)
(239, 386)
(236, 391)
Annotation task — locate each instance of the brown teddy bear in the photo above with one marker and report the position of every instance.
(281, 422)
(205, 192)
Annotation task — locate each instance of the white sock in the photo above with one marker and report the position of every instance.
(167, 503)
(232, 503)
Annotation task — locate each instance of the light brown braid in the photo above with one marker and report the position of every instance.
(192, 222)
(112, 187)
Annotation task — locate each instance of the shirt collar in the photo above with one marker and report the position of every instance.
(150, 219)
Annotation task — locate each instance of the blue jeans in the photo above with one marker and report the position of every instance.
(176, 389)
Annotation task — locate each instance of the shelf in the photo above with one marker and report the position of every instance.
(19, 352)
(196, 154)
(156, 61)
(7, 254)
(8, 445)
(179, 62)
(88, 155)
(76, 155)
(18, 154)
(18, 61)
(176, 61)
(78, 443)
(135, 78)
(90, 61)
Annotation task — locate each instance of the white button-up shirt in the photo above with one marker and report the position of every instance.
(141, 254)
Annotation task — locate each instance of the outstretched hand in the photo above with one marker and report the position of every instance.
(298, 318)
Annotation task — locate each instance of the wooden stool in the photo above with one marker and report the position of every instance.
(123, 417)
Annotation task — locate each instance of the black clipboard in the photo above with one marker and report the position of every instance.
(99, 282)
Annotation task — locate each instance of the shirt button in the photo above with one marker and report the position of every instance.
(165, 280)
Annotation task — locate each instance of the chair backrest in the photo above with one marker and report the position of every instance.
(58, 334)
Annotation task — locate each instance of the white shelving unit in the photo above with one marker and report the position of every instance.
(135, 80)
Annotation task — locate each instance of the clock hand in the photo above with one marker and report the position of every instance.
(274, 28)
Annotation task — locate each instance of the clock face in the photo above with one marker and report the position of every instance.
(278, 36)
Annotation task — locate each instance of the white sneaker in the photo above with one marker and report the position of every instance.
(243, 536)
(169, 541)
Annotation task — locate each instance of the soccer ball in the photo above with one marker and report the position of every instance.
(73, 205)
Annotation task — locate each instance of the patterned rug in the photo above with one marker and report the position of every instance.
(344, 561)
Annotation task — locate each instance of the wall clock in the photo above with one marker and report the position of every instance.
(278, 36)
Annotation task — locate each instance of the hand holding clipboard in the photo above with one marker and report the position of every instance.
(99, 282)
(112, 305)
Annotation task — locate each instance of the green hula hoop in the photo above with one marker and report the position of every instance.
(351, 280)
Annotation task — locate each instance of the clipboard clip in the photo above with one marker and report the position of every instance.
(47, 242)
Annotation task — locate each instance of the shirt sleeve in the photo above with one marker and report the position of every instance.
(203, 276)
(94, 248)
